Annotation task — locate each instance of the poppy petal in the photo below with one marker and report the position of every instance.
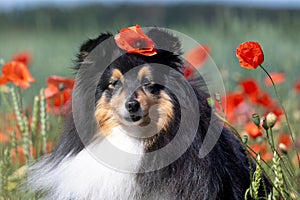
(134, 40)
(250, 55)
(197, 56)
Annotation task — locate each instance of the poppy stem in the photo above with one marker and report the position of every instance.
(246, 146)
(272, 138)
(283, 109)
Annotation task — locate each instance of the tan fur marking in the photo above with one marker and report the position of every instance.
(105, 116)
(166, 115)
(165, 111)
(145, 72)
(116, 75)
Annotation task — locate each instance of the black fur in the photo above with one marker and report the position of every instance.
(223, 174)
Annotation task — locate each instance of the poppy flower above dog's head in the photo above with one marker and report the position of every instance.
(250, 55)
(134, 40)
(17, 73)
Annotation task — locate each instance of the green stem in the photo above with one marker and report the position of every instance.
(272, 138)
(283, 109)
(271, 143)
(236, 133)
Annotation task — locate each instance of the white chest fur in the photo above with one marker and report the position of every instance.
(84, 177)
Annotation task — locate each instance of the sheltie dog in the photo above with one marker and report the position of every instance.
(139, 116)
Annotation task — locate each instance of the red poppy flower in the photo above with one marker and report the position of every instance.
(58, 94)
(197, 56)
(259, 148)
(233, 100)
(134, 40)
(4, 138)
(24, 57)
(250, 87)
(276, 110)
(250, 55)
(297, 86)
(57, 84)
(252, 130)
(188, 72)
(17, 73)
(3, 80)
(262, 99)
(285, 139)
(61, 103)
(277, 78)
(267, 156)
(231, 103)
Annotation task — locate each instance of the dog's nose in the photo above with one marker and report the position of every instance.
(132, 106)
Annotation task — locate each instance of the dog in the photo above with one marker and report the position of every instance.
(138, 115)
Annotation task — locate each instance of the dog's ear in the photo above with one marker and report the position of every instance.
(164, 40)
(89, 45)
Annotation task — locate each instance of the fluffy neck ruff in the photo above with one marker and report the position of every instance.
(85, 176)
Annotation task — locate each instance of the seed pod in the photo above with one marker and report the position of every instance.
(256, 119)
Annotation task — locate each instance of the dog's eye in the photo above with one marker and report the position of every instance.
(145, 81)
(113, 84)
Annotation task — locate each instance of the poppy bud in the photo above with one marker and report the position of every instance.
(271, 120)
(245, 139)
(264, 123)
(256, 119)
(283, 148)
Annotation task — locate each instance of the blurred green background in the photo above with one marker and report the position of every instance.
(54, 34)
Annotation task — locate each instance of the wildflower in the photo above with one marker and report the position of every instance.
(56, 85)
(17, 73)
(231, 103)
(259, 148)
(4, 138)
(23, 57)
(59, 93)
(197, 56)
(250, 55)
(250, 87)
(285, 139)
(195, 59)
(277, 78)
(255, 93)
(297, 86)
(134, 40)
(262, 99)
(252, 130)
(262, 150)
(188, 72)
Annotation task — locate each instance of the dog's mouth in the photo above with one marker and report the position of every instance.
(133, 118)
(137, 119)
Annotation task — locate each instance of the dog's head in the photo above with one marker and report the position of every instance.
(130, 93)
